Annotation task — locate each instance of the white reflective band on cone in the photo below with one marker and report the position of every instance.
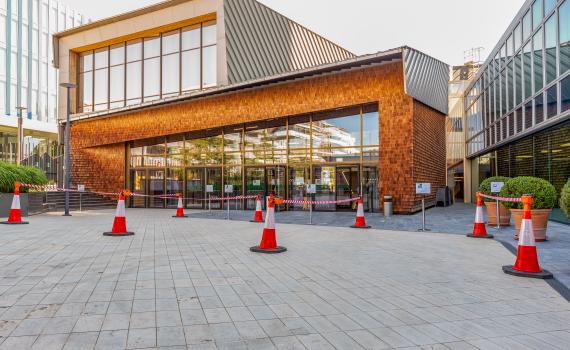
(270, 218)
(258, 205)
(360, 210)
(479, 215)
(120, 208)
(526, 235)
(179, 202)
(16, 202)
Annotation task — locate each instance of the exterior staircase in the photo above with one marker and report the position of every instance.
(42, 202)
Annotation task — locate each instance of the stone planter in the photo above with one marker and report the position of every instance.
(539, 222)
(492, 214)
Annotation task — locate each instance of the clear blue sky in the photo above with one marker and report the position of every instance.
(441, 28)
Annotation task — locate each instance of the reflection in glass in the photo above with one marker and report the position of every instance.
(86, 62)
(565, 94)
(101, 86)
(170, 42)
(209, 66)
(538, 65)
(170, 75)
(337, 132)
(527, 65)
(370, 129)
(550, 45)
(209, 35)
(87, 83)
(564, 15)
(134, 82)
(526, 25)
(174, 185)
(101, 58)
(151, 77)
(537, 13)
(117, 86)
(117, 54)
(191, 37)
(551, 102)
(151, 47)
(134, 50)
(190, 70)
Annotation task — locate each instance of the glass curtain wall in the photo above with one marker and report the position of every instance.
(525, 84)
(147, 69)
(280, 156)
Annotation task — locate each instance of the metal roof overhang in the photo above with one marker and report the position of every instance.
(332, 68)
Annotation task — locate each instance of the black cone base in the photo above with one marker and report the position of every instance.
(279, 249)
(183, 216)
(259, 222)
(544, 274)
(14, 223)
(118, 234)
(473, 236)
(366, 226)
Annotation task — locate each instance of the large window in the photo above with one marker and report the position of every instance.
(564, 14)
(148, 69)
(550, 45)
(538, 65)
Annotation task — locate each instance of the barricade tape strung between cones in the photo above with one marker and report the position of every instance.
(130, 194)
(226, 198)
(297, 201)
(502, 199)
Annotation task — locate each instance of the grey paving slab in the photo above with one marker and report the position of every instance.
(183, 285)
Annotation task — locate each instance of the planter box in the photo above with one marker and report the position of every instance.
(6, 204)
(539, 222)
(492, 214)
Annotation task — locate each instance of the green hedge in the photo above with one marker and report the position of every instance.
(543, 192)
(565, 199)
(10, 173)
(485, 186)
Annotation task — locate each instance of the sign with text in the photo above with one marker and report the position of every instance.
(81, 188)
(311, 189)
(228, 188)
(209, 188)
(496, 187)
(423, 188)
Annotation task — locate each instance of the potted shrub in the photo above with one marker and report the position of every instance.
(565, 199)
(505, 214)
(544, 200)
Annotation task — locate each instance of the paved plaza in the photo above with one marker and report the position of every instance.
(192, 283)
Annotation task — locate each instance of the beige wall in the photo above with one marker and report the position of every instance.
(176, 13)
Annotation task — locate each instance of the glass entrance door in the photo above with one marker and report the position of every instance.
(255, 185)
(370, 188)
(214, 179)
(156, 188)
(195, 188)
(298, 180)
(276, 182)
(347, 186)
(324, 177)
(138, 186)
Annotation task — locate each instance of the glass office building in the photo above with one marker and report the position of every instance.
(28, 80)
(518, 107)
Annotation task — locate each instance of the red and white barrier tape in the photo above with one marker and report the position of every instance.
(502, 199)
(227, 198)
(297, 201)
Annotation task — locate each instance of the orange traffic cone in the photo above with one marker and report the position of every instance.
(268, 242)
(479, 230)
(180, 209)
(120, 222)
(258, 216)
(360, 222)
(526, 264)
(15, 217)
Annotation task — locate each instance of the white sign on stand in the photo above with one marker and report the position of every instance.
(80, 188)
(496, 187)
(423, 188)
(311, 189)
(228, 188)
(209, 188)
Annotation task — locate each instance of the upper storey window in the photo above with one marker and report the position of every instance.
(146, 69)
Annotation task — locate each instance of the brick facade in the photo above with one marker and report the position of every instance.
(98, 145)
